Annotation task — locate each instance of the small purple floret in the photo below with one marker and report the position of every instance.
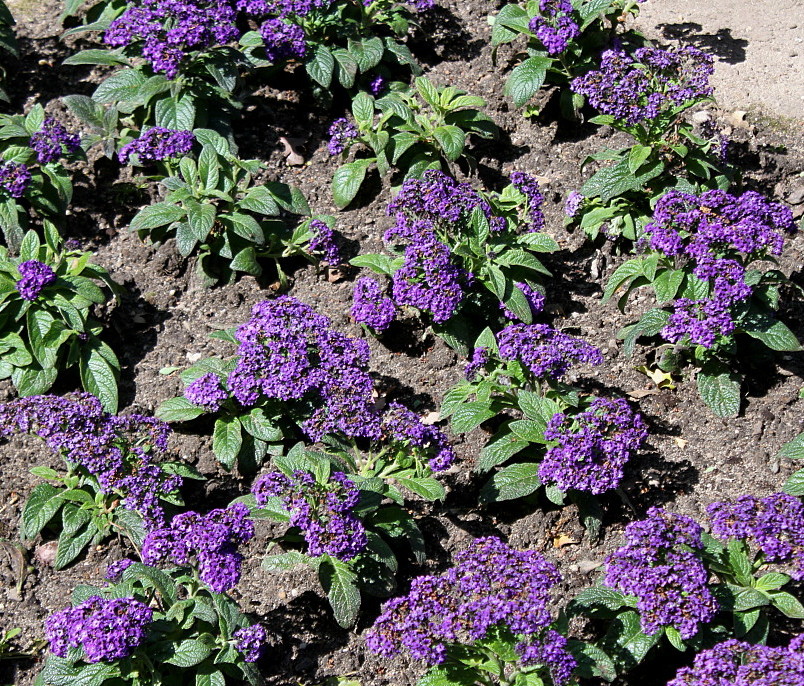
(36, 276)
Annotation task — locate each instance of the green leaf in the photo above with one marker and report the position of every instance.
(510, 22)
(123, 85)
(612, 181)
(499, 449)
(189, 653)
(59, 671)
(95, 56)
(340, 585)
(720, 390)
(788, 605)
(511, 482)
(529, 430)
(625, 273)
(284, 561)
(347, 67)
(201, 219)
(246, 261)
(601, 596)
(526, 79)
(593, 663)
(71, 545)
(380, 264)
(667, 284)
(748, 599)
(794, 450)
(368, 53)
(259, 425)
(625, 640)
(637, 156)
(450, 674)
(154, 216)
(777, 336)
(227, 439)
(33, 380)
(321, 66)
(674, 636)
(795, 484)
(771, 581)
(39, 509)
(178, 410)
(99, 377)
(427, 487)
(208, 167)
(452, 140)
(470, 415)
(538, 242)
(363, 108)
(428, 91)
(261, 200)
(175, 113)
(347, 180)
(205, 678)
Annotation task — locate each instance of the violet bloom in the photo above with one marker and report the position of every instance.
(121, 452)
(158, 143)
(105, 630)
(51, 141)
(774, 525)
(207, 391)
(544, 351)
(282, 8)
(377, 85)
(593, 446)
(324, 241)
(250, 642)
(283, 41)
(209, 542)
(36, 276)
(290, 353)
(737, 663)
(341, 131)
(534, 298)
(115, 569)
(476, 364)
(323, 512)
(554, 26)
(14, 178)
(491, 585)
(698, 322)
(529, 187)
(660, 565)
(403, 426)
(370, 305)
(573, 204)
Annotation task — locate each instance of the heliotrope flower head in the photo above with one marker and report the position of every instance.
(698, 322)
(774, 525)
(544, 351)
(323, 512)
(283, 41)
(158, 143)
(529, 187)
(52, 140)
(370, 305)
(209, 542)
(207, 391)
(105, 630)
(477, 362)
(737, 663)
(341, 131)
(250, 641)
(324, 241)
(436, 197)
(36, 276)
(401, 425)
(115, 569)
(555, 26)
(168, 32)
(282, 8)
(121, 452)
(534, 297)
(573, 204)
(593, 446)
(661, 566)
(639, 87)
(14, 178)
(491, 585)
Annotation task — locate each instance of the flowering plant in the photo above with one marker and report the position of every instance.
(214, 208)
(47, 296)
(645, 94)
(700, 261)
(564, 40)
(116, 477)
(151, 626)
(32, 174)
(343, 520)
(457, 254)
(567, 443)
(410, 128)
(673, 580)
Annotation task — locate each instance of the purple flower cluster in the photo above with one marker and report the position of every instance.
(639, 87)
(480, 358)
(51, 141)
(115, 569)
(529, 187)
(371, 306)
(288, 352)
(35, 275)
(209, 542)
(573, 204)
(283, 41)
(157, 144)
(14, 178)
(491, 585)
(660, 565)
(774, 524)
(250, 641)
(323, 512)
(324, 241)
(401, 425)
(167, 31)
(103, 629)
(282, 8)
(719, 233)
(544, 351)
(534, 297)
(593, 446)
(207, 391)
(341, 131)
(554, 26)
(121, 452)
(736, 663)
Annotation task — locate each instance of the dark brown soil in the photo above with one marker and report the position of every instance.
(692, 457)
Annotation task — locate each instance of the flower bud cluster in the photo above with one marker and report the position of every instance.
(36, 276)
(158, 143)
(14, 178)
(51, 141)
(555, 26)
(400, 425)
